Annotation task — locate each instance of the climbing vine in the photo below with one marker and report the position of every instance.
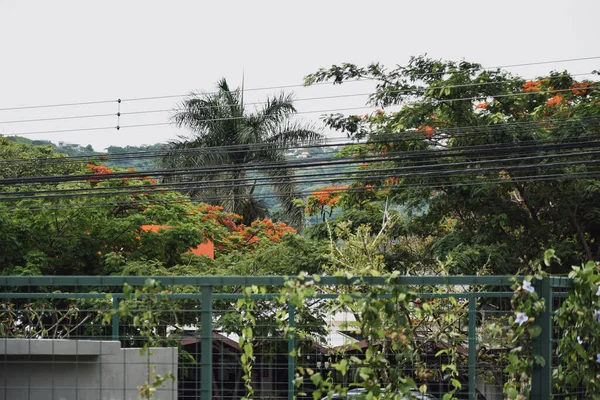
(527, 306)
(389, 318)
(579, 344)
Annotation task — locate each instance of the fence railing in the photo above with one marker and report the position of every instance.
(201, 317)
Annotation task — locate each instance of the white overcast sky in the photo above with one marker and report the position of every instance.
(76, 51)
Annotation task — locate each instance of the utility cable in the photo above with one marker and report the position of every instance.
(445, 185)
(257, 167)
(407, 135)
(430, 101)
(133, 99)
(332, 177)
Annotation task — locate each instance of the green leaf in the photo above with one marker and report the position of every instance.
(316, 379)
(456, 383)
(539, 360)
(534, 331)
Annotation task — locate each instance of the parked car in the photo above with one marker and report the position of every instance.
(357, 393)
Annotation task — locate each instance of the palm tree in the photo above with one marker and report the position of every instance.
(225, 134)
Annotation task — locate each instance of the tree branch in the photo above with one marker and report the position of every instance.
(581, 235)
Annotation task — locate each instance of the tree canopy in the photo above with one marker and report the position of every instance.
(492, 169)
(109, 235)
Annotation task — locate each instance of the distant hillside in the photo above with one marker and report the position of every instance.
(142, 162)
(76, 150)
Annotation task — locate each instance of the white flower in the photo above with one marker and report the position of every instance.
(597, 315)
(521, 318)
(598, 358)
(598, 291)
(527, 286)
(579, 340)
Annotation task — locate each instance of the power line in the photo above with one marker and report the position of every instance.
(317, 98)
(380, 139)
(446, 185)
(133, 99)
(406, 172)
(399, 156)
(429, 101)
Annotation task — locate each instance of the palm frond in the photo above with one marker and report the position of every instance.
(276, 110)
(218, 119)
(296, 134)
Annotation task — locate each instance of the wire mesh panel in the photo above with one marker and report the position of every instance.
(263, 337)
(62, 346)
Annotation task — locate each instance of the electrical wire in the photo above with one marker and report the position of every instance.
(472, 153)
(317, 98)
(445, 185)
(256, 167)
(430, 101)
(437, 169)
(133, 99)
(381, 138)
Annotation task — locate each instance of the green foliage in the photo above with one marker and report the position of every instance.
(149, 233)
(528, 306)
(75, 150)
(293, 254)
(28, 165)
(579, 344)
(503, 217)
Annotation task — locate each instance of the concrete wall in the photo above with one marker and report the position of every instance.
(45, 369)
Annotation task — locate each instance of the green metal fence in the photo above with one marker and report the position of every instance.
(198, 317)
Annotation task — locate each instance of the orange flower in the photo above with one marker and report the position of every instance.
(328, 195)
(531, 86)
(556, 100)
(99, 169)
(579, 89)
(483, 106)
(390, 181)
(379, 112)
(427, 129)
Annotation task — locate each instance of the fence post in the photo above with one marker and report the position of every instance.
(206, 343)
(541, 381)
(115, 318)
(291, 347)
(472, 346)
